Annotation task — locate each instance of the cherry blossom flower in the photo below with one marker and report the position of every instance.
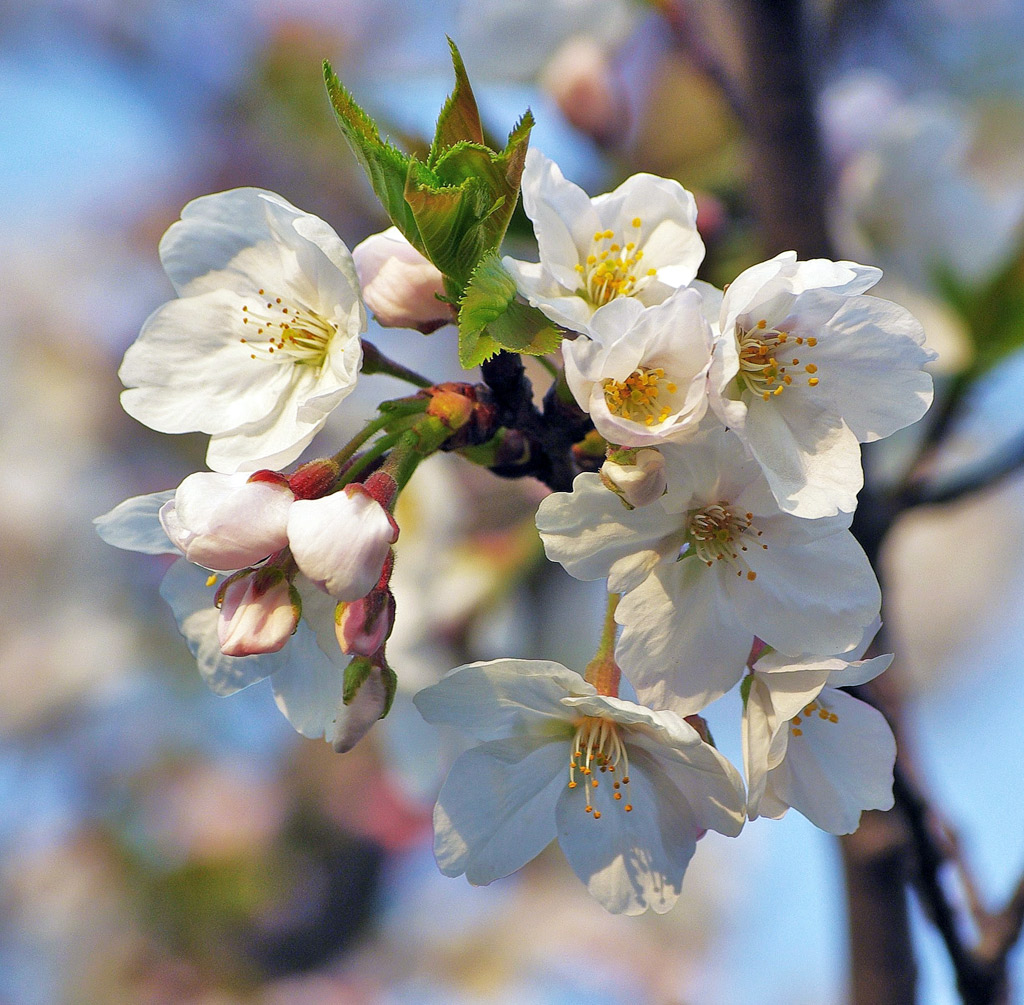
(642, 374)
(808, 745)
(227, 522)
(709, 567)
(400, 286)
(806, 368)
(639, 242)
(263, 341)
(627, 790)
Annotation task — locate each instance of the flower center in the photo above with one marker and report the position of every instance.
(636, 397)
(717, 533)
(286, 332)
(766, 367)
(612, 267)
(816, 707)
(598, 749)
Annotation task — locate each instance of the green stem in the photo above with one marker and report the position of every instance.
(360, 438)
(602, 671)
(377, 448)
(374, 361)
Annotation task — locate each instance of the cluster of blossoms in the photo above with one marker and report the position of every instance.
(729, 425)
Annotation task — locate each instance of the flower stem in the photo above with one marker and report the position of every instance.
(377, 448)
(602, 671)
(360, 438)
(374, 361)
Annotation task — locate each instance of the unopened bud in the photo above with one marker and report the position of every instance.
(341, 541)
(369, 690)
(363, 625)
(258, 613)
(636, 476)
(399, 285)
(466, 409)
(314, 478)
(226, 522)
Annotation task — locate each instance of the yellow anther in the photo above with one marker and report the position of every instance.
(211, 579)
(636, 221)
(597, 814)
(762, 324)
(811, 368)
(751, 575)
(813, 381)
(812, 341)
(797, 732)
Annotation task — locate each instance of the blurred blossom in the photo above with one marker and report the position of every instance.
(927, 190)
(587, 89)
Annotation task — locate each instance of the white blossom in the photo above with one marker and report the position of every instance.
(709, 567)
(639, 242)
(627, 790)
(642, 374)
(808, 745)
(307, 677)
(806, 368)
(263, 341)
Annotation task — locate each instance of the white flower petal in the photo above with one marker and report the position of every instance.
(635, 861)
(834, 770)
(504, 698)
(188, 371)
(592, 534)
(134, 525)
(496, 809)
(872, 358)
(681, 645)
(813, 597)
(308, 688)
(341, 541)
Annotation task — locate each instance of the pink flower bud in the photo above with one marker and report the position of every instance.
(258, 614)
(341, 541)
(639, 479)
(226, 522)
(399, 284)
(363, 625)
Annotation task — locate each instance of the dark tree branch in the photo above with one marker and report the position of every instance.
(549, 435)
(991, 474)
(786, 166)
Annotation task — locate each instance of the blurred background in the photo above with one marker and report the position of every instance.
(162, 845)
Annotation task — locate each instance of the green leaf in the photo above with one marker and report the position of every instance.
(459, 119)
(450, 220)
(491, 318)
(385, 165)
